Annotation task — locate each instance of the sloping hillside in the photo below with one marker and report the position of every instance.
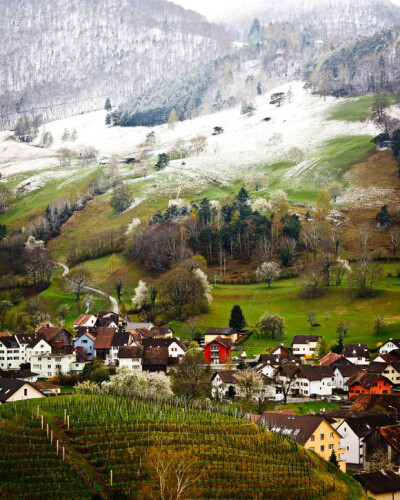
(61, 57)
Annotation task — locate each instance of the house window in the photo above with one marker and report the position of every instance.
(331, 446)
(84, 341)
(25, 392)
(322, 448)
(313, 438)
(331, 434)
(322, 437)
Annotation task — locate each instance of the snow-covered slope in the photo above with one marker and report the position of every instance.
(247, 142)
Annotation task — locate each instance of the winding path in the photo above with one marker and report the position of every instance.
(114, 302)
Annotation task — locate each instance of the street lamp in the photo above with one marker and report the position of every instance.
(395, 409)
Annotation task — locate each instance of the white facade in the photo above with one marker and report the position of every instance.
(321, 387)
(220, 389)
(50, 365)
(389, 346)
(340, 381)
(25, 392)
(89, 322)
(361, 360)
(307, 349)
(40, 348)
(175, 350)
(351, 443)
(134, 364)
(10, 356)
(266, 369)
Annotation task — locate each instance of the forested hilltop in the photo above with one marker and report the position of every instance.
(62, 57)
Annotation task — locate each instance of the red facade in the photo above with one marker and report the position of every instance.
(218, 351)
(382, 386)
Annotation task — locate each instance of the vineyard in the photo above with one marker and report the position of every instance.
(76, 447)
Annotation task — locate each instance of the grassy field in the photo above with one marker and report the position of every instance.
(229, 456)
(310, 407)
(355, 109)
(285, 299)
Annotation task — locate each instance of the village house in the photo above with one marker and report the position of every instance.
(333, 359)
(85, 341)
(342, 373)
(131, 357)
(354, 430)
(47, 388)
(304, 346)
(368, 383)
(358, 354)
(103, 344)
(39, 346)
(223, 333)
(389, 370)
(50, 365)
(314, 380)
(24, 375)
(157, 359)
(56, 336)
(383, 441)
(174, 346)
(389, 346)
(381, 485)
(85, 321)
(370, 402)
(224, 384)
(393, 355)
(10, 353)
(311, 431)
(218, 351)
(12, 389)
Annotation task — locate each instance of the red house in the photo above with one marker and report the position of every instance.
(368, 383)
(218, 352)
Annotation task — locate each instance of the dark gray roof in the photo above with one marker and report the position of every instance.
(348, 370)
(227, 376)
(299, 428)
(379, 482)
(9, 386)
(9, 342)
(362, 426)
(121, 338)
(376, 367)
(220, 331)
(131, 352)
(277, 359)
(355, 351)
(154, 342)
(19, 374)
(315, 372)
(305, 339)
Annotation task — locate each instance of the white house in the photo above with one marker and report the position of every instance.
(131, 357)
(39, 346)
(175, 347)
(358, 354)
(12, 389)
(85, 321)
(342, 373)
(49, 365)
(354, 430)
(304, 345)
(10, 353)
(266, 369)
(389, 345)
(314, 380)
(224, 379)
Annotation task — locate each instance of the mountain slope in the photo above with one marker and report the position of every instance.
(61, 57)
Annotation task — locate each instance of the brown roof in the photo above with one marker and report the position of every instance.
(347, 413)
(366, 379)
(305, 339)
(391, 356)
(156, 356)
(277, 359)
(5, 334)
(49, 332)
(45, 386)
(152, 342)
(377, 367)
(83, 318)
(391, 434)
(379, 482)
(225, 342)
(367, 402)
(315, 372)
(329, 359)
(284, 411)
(227, 376)
(299, 428)
(130, 352)
(104, 337)
(348, 370)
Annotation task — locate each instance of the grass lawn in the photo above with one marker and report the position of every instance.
(310, 407)
(354, 109)
(284, 298)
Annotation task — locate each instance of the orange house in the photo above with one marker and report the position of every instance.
(368, 383)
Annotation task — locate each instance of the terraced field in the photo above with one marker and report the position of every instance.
(110, 440)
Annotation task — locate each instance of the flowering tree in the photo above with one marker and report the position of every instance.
(268, 272)
(142, 297)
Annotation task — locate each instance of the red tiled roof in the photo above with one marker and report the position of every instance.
(104, 337)
(83, 318)
(329, 359)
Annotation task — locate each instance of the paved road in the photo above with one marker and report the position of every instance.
(114, 302)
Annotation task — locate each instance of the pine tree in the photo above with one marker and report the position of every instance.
(107, 105)
(237, 320)
(333, 459)
(383, 217)
(108, 119)
(162, 162)
(243, 196)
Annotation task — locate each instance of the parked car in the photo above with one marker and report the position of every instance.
(313, 396)
(335, 398)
